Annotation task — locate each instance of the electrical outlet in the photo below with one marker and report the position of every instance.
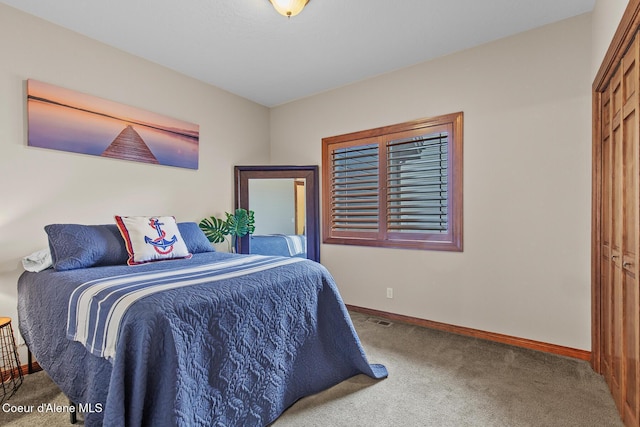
(389, 292)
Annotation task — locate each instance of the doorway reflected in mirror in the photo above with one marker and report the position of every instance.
(285, 202)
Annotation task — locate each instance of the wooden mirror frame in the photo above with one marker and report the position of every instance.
(310, 173)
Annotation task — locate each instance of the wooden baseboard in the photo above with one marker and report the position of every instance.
(5, 375)
(35, 367)
(476, 333)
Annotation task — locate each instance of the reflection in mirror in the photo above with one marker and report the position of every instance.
(280, 224)
(275, 199)
(285, 202)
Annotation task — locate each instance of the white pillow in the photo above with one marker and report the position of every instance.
(38, 261)
(151, 238)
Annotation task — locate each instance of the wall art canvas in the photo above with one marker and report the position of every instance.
(62, 119)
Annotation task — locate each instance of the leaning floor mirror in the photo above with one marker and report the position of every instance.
(284, 200)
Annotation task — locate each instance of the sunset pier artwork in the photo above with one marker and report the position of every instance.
(65, 120)
(129, 145)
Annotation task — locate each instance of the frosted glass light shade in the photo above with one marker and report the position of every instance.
(289, 8)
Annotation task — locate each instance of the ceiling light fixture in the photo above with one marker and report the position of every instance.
(289, 8)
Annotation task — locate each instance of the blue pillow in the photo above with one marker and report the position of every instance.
(194, 237)
(80, 246)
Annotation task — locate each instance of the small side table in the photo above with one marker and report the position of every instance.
(10, 370)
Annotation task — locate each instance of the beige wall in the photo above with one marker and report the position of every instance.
(606, 17)
(40, 186)
(525, 266)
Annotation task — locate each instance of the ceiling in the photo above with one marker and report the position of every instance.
(245, 47)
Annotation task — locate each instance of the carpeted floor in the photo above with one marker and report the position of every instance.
(435, 379)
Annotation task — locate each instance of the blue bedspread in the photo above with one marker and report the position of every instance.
(278, 244)
(236, 352)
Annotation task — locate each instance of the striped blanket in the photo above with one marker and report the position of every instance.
(216, 340)
(97, 307)
(297, 244)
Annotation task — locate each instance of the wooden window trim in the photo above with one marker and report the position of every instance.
(450, 241)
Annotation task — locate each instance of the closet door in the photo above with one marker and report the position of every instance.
(606, 261)
(629, 241)
(612, 265)
(616, 217)
(620, 228)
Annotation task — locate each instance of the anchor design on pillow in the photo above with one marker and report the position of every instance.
(160, 244)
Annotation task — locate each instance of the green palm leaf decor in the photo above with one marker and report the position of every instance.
(215, 229)
(238, 224)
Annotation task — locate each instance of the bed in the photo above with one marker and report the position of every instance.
(208, 339)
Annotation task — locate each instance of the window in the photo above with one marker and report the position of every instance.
(397, 186)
